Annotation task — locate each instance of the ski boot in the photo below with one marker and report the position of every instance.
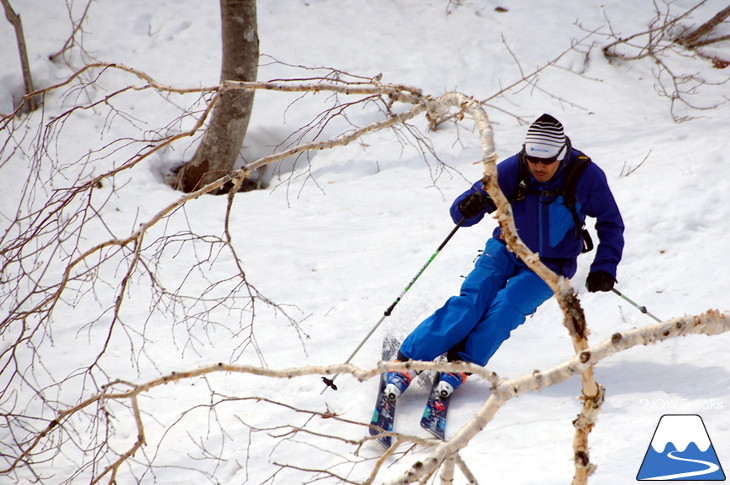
(396, 383)
(449, 382)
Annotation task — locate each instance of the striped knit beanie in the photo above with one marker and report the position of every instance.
(545, 138)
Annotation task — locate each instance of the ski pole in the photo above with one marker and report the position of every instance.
(642, 309)
(330, 383)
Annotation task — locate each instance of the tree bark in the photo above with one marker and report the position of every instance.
(217, 154)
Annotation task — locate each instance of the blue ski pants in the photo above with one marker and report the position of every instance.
(495, 298)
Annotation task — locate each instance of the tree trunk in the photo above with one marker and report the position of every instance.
(14, 20)
(217, 154)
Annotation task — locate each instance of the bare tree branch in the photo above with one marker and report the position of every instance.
(77, 26)
(660, 43)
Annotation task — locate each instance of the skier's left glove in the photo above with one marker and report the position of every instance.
(599, 281)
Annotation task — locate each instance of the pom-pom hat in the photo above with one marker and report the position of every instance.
(545, 138)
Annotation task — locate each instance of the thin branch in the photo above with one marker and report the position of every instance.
(77, 26)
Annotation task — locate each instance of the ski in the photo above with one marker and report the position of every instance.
(434, 414)
(384, 413)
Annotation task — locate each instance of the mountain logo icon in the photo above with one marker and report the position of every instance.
(681, 450)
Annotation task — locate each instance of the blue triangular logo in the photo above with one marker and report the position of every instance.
(681, 450)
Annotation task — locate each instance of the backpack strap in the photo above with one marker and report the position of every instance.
(523, 179)
(575, 170)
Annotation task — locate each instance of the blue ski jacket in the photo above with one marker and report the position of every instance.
(547, 226)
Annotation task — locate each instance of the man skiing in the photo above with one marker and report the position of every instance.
(499, 293)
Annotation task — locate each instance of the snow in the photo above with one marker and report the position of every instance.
(681, 431)
(338, 240)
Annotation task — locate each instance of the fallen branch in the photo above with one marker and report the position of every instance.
(711, 322)
(700, 36)
(664, 41)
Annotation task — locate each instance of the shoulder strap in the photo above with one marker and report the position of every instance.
(523, 179)
(575, 170)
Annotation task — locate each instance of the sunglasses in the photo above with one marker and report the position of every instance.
(544, 161)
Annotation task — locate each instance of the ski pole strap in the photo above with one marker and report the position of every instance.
(642, 309)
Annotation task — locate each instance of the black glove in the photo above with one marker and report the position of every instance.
(474, 204)
(599, 281)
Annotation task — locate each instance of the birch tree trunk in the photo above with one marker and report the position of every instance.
(216, 156)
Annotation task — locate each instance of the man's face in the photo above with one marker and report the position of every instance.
(542, 171)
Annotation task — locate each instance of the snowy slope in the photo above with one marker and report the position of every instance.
(337, 242)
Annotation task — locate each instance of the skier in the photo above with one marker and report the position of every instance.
(501, 290)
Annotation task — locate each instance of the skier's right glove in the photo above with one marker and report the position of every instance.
(474, 204)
